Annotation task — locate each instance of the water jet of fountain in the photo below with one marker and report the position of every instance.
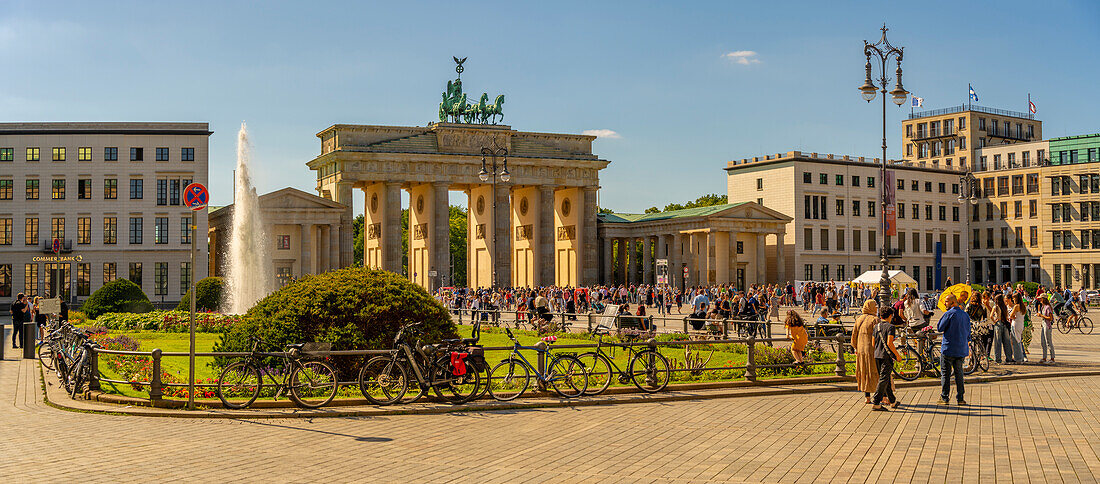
(249, 260)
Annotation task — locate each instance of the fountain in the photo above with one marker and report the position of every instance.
(249, 261)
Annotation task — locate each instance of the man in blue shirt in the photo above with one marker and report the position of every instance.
(955, 326)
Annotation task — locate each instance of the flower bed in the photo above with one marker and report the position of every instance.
(168, 321)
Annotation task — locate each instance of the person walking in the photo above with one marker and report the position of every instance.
(955, 326)
(885, 356)
(863, 342)
(796, 331)
(1046, 329)
(18, 307)
(1016, 319)
(1002, 342)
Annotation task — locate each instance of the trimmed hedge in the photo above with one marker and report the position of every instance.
(209, 293)
(353, 308)
(117, 296)
(169, 321)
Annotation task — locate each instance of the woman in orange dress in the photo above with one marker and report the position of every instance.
(796, 331)
(864, 343)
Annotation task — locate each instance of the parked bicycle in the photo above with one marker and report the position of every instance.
(77, 376)
(510, 378)
(443, 369)
(913, 363)
(646, 368)
(976, 359)
(309, 384)
(1083, 324)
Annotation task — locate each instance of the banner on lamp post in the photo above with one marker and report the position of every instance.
(889, 207)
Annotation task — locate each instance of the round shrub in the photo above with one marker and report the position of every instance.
(117, 296)
(353, 308)
(208, 295)
(1029, 287)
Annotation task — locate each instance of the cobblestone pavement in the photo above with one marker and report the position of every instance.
(1042, 430)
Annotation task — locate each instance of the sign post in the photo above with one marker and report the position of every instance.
(662, 271)
(195, 197)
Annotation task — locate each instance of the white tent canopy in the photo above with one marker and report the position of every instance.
(896, 277)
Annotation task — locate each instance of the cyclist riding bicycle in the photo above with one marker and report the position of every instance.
(1063, 308)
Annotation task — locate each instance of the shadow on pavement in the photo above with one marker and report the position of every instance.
(293, 427)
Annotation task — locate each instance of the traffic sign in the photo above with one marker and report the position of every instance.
(56, 247)
(195, 196)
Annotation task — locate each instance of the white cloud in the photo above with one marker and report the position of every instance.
(743, 57)
(601, 133)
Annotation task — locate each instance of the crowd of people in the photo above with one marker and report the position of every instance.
(25, 310)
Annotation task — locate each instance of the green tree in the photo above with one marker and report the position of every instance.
(459, 230)
(708, 200)
(652, 210)
(603, 210)
(209, 293)
(357, 239)
(117, 296)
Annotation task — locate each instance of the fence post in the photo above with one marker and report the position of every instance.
(768, 331)
(750, 359)
(725, 329)
(685, 325)
(155, 391)
(589, 316)
(459, 315)
(93, 381)
(542, 366)
(841, 365)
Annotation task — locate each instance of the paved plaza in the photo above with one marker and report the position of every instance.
(1036, 430)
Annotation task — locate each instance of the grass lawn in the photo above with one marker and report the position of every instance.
(175, 365)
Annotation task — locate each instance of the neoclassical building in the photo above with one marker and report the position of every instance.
(721, 244)
(534, 227)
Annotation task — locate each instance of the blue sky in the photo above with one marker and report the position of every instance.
(657, 74)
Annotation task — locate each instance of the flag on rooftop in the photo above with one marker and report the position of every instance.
(973, 94)
(917, 102)
(1030, 105)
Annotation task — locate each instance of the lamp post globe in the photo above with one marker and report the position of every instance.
(505, 176)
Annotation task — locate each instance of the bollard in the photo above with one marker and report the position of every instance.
(750, 359)
(30, 334)
(93, 378)
(3, 339)
(155, 391)
(768, 331)
(542, 366)
(841, 366)
(589, 322)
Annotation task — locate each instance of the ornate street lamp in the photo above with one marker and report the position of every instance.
(968, 196)
(494, 151)
(883, 52)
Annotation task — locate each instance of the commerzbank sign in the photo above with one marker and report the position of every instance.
(58, 258)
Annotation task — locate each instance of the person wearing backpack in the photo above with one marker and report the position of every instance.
(18, 309)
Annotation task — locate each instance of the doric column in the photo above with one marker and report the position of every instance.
(441, 235)
(546, 258)
(647, 260)
(630, 260)
(675, 267)
(589, 262)
(607, 255)
(780, 263)
(761, 259)
(502, 242)
(306, 257)
(708, 257)
(391, 229)
(620, 260)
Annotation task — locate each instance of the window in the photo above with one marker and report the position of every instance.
(916, 242)
(928, 212)
(1067, 212)
(740, 246)
(928, 242)
(59, 154)
(1084, 211)
(808, 239)
(110, 188)
(84, 154)
(5, 280)
(110, 272)
(137, 192)
(901, 242)
(909, 131)
(823, 179)
(901, 184)
(1033, 236)
(137, 154)
(30, 231)
(954, 188)
(185, 277)
(1018, 209)
(284, 242)
(110, 230)
(871, 240)
(185, 230)
(83, 279)
(1012, 160)
(57, 191)
(807, 206)
(32, 154)
(962, 122)
(110, 154)
(1055, 213)
(824, 239)
(955, 243)
(855, 208)
(1032, 209)
(857, 241)
(7, 189)
(135, 230)
(989, 238)
(162, 154)
(824, 208)
(174, 192)
(928, 187)
(989, 210)
(943, 213)
(5, 231)
(759, 184)
(840, 206)
(1083, 183)
(962, 142)
(57, 227)
(909, 149)
(187, 154)
(976, 241)
(1056, 243)
(824, 272)
(901, 210)
(160, 230)
(987, 186)
(855, 181)
(871, 208)
(808, 271)
(1055, 186)
(870, 182)
(840, 239)
(160, 278)
(840, 180)
(916, 211)
(84, 189)
(1004, 210)
(922, 150)
(1004, 237)
(1019, 236)
(954, 214)
(162, 192)
(135, 273)
(806, 177)
(84, 230)
(30, 279)
(1085, 236)
(976, 211)
(7, 154)
(1032, 183)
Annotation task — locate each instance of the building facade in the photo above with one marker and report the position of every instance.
(950, 137)
(1038, 215)
(111, 195)
(834, 205)
(303, 233)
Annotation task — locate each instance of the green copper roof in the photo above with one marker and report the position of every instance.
(650, 217)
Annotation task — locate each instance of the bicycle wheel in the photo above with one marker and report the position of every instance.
(649, 371)
(1064, 326)
(567, 376)
(45, 355)
(509, 379)
(313, 384)
(455, 389)
(983, 359)
(970, 362)
(383, 381)
(63, 374)
(599, 372)
(239, 385)
(909, 367)
(1084, 324)
(934, 360)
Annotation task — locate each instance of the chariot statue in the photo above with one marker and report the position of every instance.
(456, 108)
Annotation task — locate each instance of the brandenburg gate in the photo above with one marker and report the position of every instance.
(535, 226)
